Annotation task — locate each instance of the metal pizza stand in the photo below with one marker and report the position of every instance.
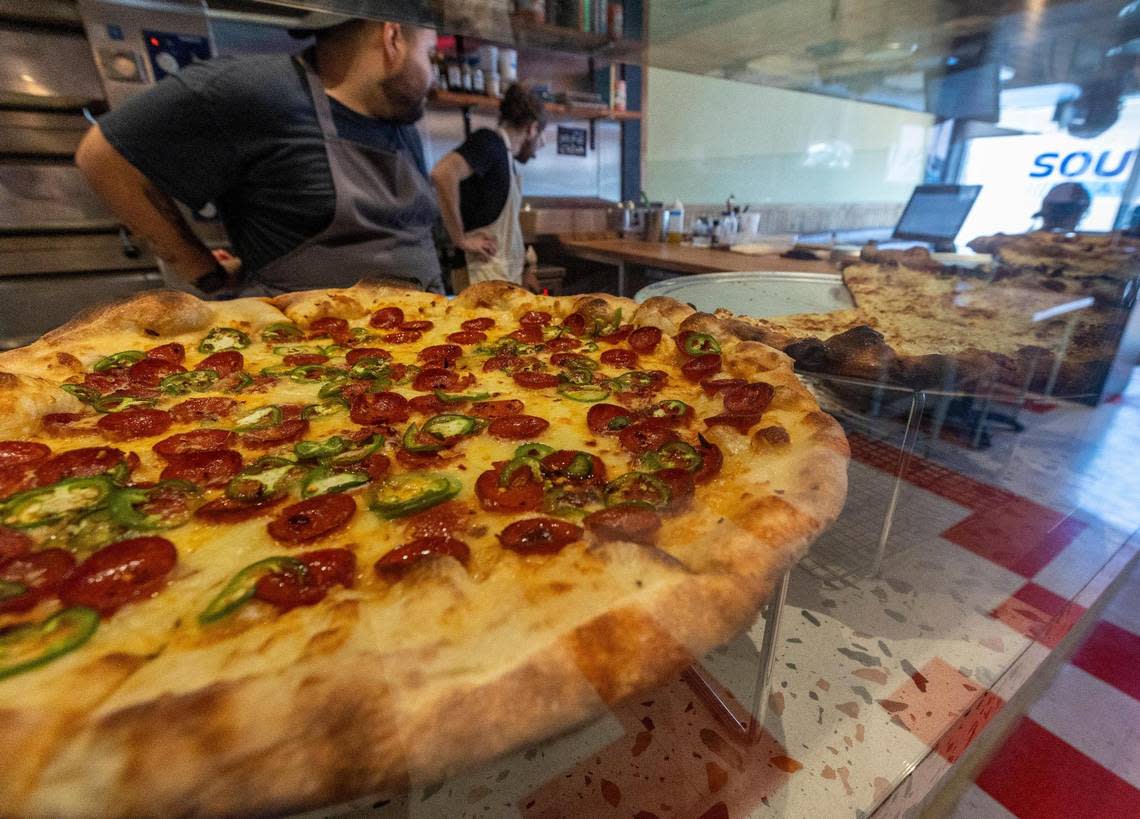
(869, 411)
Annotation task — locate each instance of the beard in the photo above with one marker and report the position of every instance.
(527, 151)
(406, 96)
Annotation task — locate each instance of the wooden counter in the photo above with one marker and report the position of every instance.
(681, 258)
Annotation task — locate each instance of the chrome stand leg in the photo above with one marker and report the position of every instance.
(910, 441)
(747, 726)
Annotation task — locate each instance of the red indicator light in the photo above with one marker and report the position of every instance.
(154, 41)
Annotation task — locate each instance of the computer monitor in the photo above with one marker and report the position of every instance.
(935, 214)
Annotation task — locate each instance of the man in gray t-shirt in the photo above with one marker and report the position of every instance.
(313, 163)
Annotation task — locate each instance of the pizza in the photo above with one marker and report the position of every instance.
(920, 324)
(266, 555)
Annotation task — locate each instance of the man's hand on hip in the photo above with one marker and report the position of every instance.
(480, 245)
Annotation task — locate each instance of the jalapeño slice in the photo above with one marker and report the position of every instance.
(241, 587)
(260, 418)
(411, 492)
(84, 394)
(533, 450)
(458, 398)
(182, 383)
(673, 455)
(520, 462)
(128, 507)
(357, 454)
(31, 645)
(324, 409)
(632, 381)
(10, 589)
(316, 450)
(123, 359)
(589, 394)
(325, 481)
(223, 338)
(701, 344)
(51, 504)
(280, 331)
(118, 403)
(262, 479)
(638, 489)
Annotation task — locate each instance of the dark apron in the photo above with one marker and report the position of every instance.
(381, 226)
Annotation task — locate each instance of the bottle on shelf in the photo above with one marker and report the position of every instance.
(494, 85)
(454, 76)
(466, 77)
(676, 223)
(478, 79)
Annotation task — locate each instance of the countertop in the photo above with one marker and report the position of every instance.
(685, 258)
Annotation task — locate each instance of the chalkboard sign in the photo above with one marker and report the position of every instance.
(571, 141)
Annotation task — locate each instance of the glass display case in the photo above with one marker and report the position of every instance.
(811, 145)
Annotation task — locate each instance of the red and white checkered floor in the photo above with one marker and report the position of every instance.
(882, 680)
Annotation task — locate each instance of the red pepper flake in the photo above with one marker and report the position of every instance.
(786, 764)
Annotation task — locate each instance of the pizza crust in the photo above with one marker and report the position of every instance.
(344, 715)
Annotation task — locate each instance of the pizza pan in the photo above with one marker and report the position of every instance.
(760, 294)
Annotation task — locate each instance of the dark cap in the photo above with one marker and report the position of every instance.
(1067, 196)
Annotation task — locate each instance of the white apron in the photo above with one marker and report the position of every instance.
(508, 263)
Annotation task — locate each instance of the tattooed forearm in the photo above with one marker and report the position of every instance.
(167, 250)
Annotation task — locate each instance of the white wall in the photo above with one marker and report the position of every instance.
(709, 137)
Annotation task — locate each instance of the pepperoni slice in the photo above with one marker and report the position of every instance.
(753, 398)
(467, 337)
(712, 386)
(522, 494)
(435, 378)
(608, 419)
(681, 486)
(575, 323)
(134, 423)
(645, 339)
(302, 359)
(352, 356)
(379, 408)
(418, 460)
(313, 518)
(173, 352)
(13, 479)
(209, 469)
(442, 355)
(497, 409)
(399, 562)
(202, 409)
(402, 337)
(328, 326)
(527, 334)
(23, 453)
(701, 367)
(505, 363)
(572, 360)
(283, 433)
(227, 362)
(387, 318)
(326, 568)
(711, 461)
(150, 371)
(445, 520)
(108, 381)
(198, 440)
(617, 336)
(558, 465)
(477, 324)
(562, 344)
(740, 421)
(233, 510)
(13, 543)
(120, 574)
(427, 405)
(420, 326)
(646, 436)
(62, 423)
(539, 536)
(619, 358)
(635, 524)
(535, 381)
(376, 465)
(539, 318)
(79, 463)
(41, 573)
(517, 427)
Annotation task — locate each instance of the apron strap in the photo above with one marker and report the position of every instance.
(320, 100)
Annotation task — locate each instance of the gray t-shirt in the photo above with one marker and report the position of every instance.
(242, 133)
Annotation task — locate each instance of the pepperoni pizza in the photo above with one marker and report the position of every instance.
(265, 555)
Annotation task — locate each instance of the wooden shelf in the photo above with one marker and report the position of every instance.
(531, 34)
(455, 99)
